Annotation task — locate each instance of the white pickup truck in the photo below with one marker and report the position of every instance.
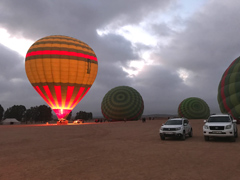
(222, 125)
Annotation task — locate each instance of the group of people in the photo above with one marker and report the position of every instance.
(144, 119)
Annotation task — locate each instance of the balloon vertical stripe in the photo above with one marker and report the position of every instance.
(42, 95)
(69, 95)
(59, 96)
(58, 93)
(77, 97)
(81, 97)
(49, 95)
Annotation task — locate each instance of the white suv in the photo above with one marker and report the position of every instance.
(176, 127)
(220, 126)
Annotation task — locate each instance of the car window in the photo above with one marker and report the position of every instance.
(174, 122)
(219, 119)
(185, 121)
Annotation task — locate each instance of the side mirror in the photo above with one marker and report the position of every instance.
(205, 121)
(185, 124)
(234, 121)
(162, 124)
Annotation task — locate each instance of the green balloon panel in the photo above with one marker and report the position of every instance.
(229, 90)
(193, 108)
(122, 102)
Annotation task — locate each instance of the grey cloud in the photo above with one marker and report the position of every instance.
(14, 85)
(114, 48)
(38, 18)
(160, 89)
(162, 29)
(206, 47)
(10, 63)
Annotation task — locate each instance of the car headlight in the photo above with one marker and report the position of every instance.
(205, 126)
(228, 126)
(179, 128)
(161, 128)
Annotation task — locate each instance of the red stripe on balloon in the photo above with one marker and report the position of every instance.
(46, 88)
(180, 110)
(42, 95)
(56, 52)
(78, 96)
(59, 96)
(104, 114)
(83, 95)
(69, 95)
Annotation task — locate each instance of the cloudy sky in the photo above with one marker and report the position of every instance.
(167, 50)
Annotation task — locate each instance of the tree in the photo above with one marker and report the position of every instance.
(83, 115)
(38, 113)
(16, 111)
(1, 112)
(31, 114)
(27, 115)
(45, 113)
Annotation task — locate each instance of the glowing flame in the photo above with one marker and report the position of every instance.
(62, 113)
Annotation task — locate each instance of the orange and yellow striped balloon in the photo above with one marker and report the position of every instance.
(61, 69)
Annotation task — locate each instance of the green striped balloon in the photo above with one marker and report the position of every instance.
(193, 108)
(229, 90)
(122, 102)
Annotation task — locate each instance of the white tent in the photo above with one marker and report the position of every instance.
(9, 121)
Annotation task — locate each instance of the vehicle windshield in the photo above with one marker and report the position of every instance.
(219, 119)
(174, 122)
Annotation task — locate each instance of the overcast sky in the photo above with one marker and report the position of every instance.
(167, 50)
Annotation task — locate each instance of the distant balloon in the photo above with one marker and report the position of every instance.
(62, 70)
(193, 108)
(229, 90)
(122, 102)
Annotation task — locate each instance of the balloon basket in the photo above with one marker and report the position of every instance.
(62, 122)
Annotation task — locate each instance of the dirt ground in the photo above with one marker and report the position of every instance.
(113, 151)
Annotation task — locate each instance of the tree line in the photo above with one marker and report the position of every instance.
(40, 113)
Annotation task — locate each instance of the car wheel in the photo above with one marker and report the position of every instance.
(162, 137)
(206, 138)
(232, 139)
(183, 136)
(190, 134)
(236, 134)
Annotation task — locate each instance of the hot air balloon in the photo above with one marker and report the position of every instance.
(228, 90)
(122, 103)
(193, 108)
(61, 69)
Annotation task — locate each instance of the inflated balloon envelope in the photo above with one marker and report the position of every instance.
(61, 69)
